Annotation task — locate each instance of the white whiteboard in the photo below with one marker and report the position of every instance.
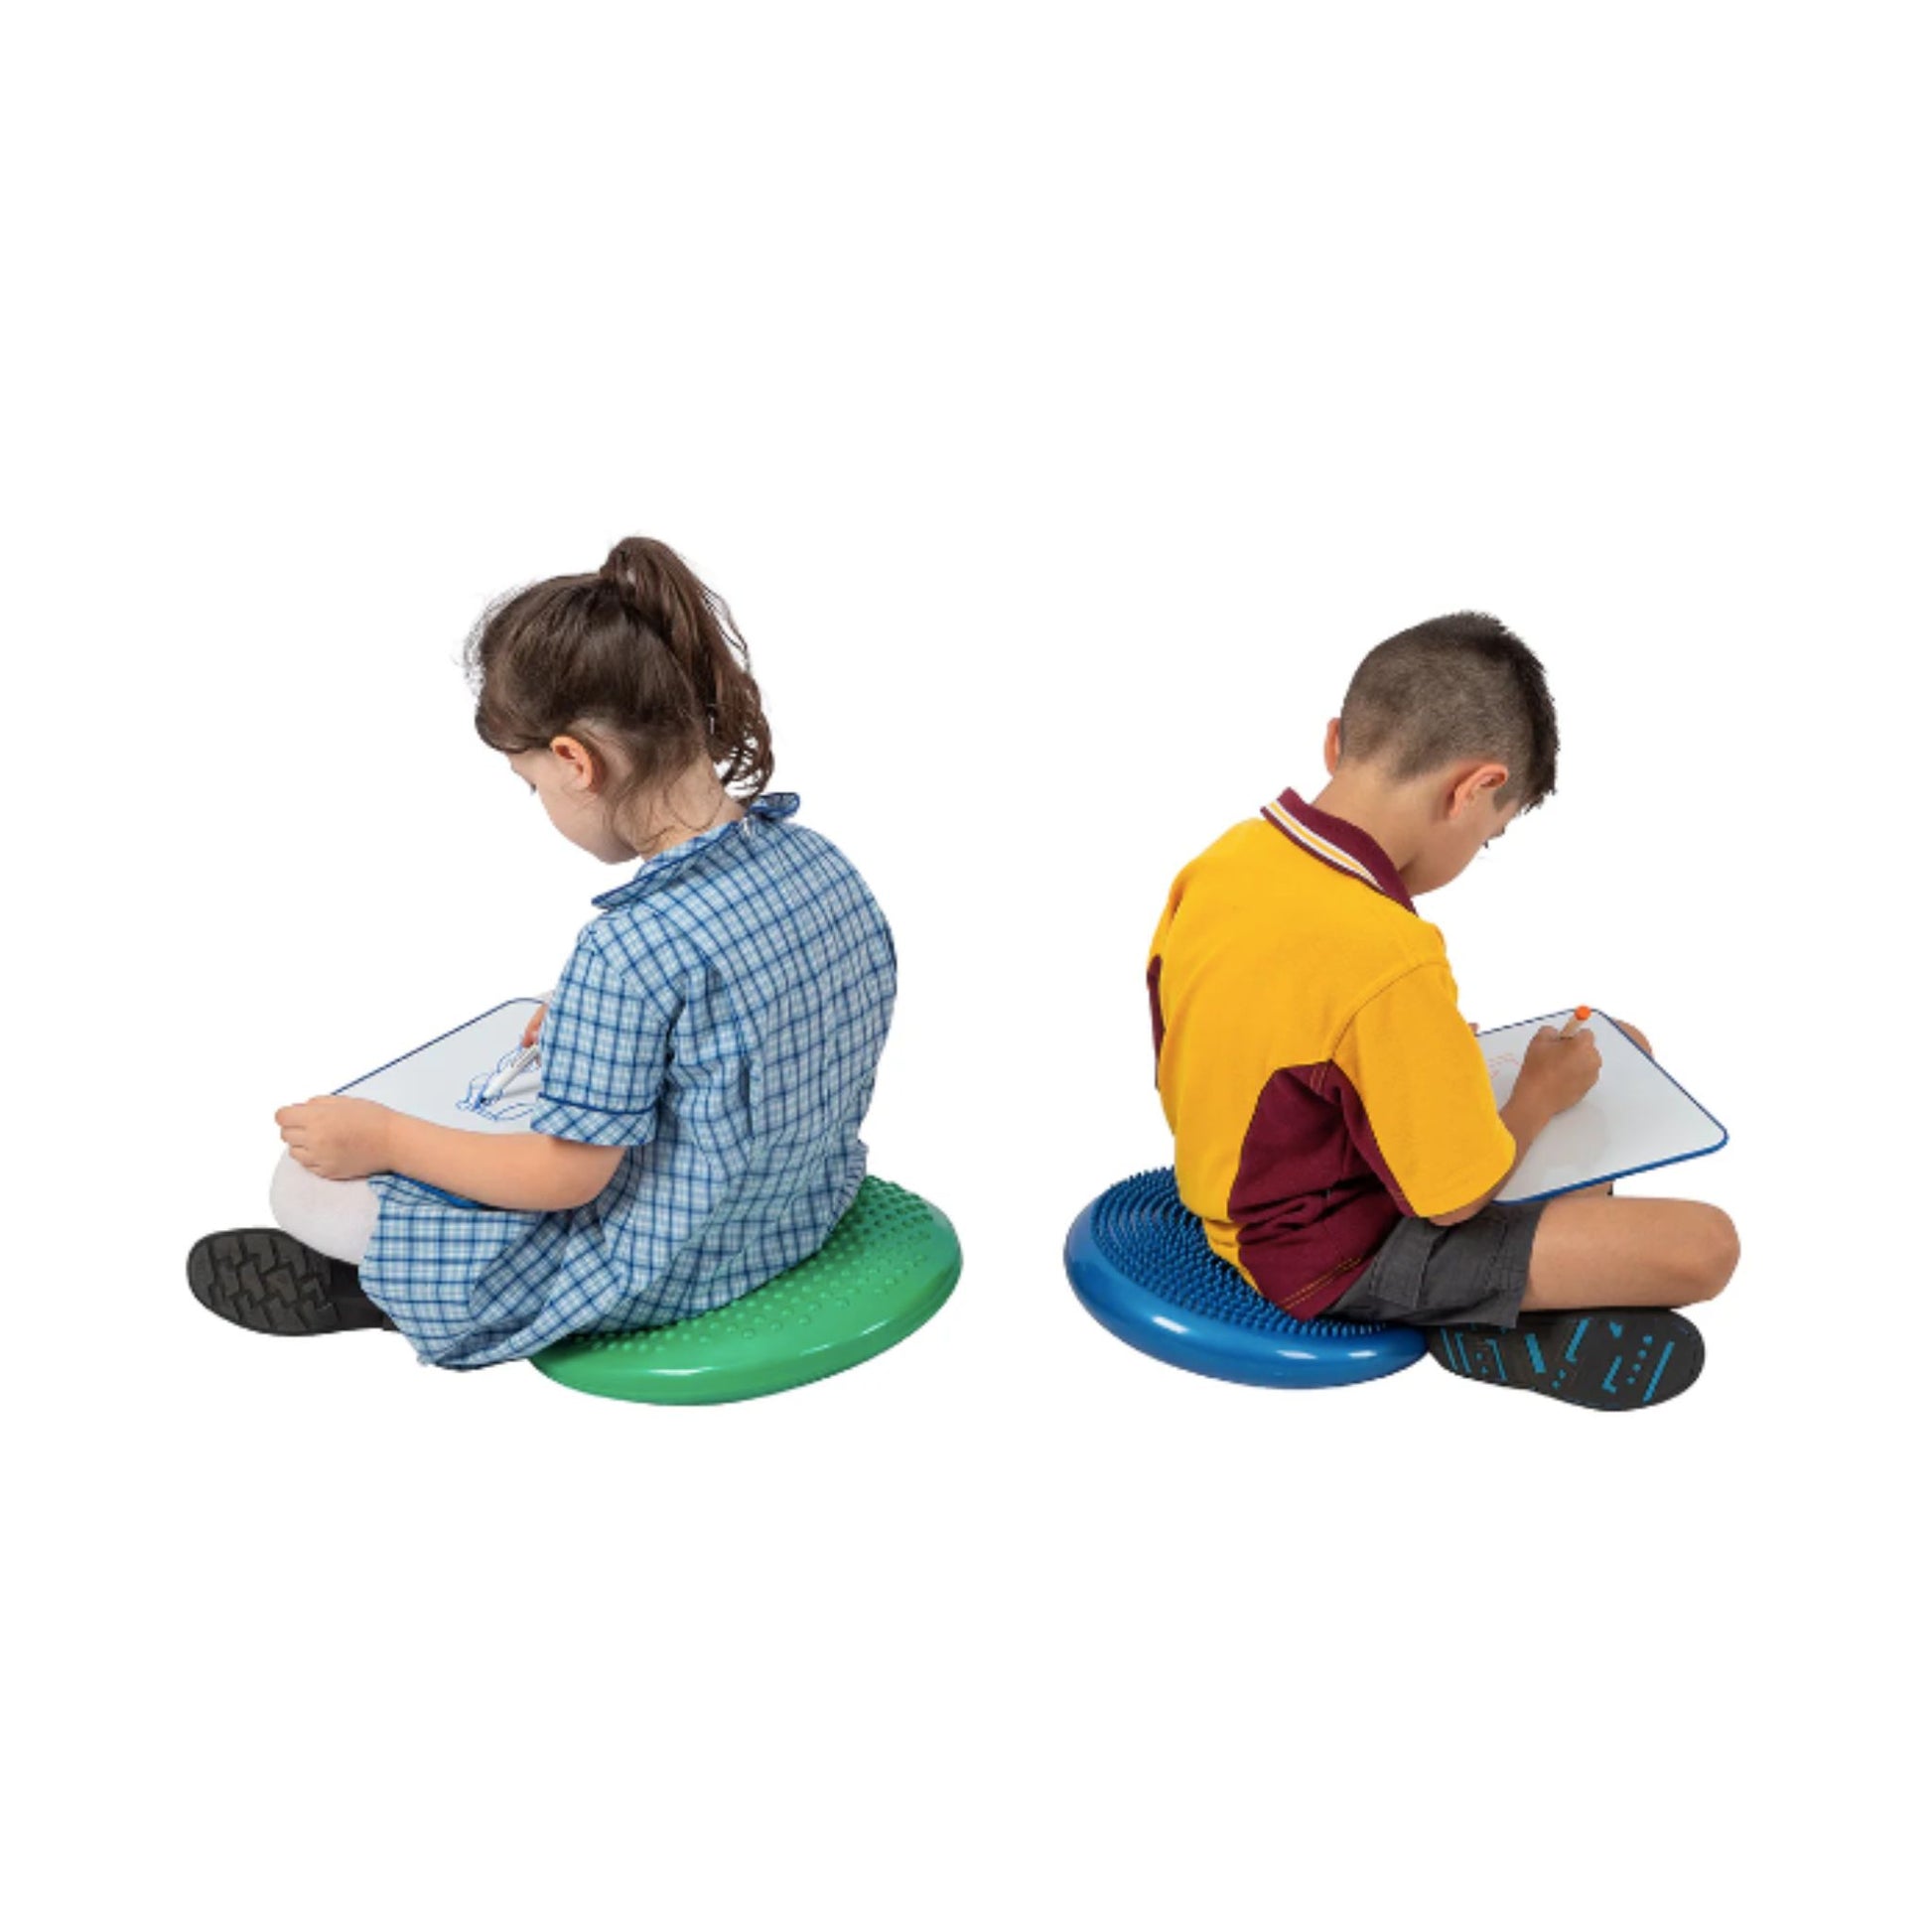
(441, 1080)
(1635, 1116)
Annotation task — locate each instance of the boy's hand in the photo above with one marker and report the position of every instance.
(1632, 1030)
(1560, 1071)
(338, 1138)
(534, 1028)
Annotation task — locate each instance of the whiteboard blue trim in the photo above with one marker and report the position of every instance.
(1619, 1173)
(443, 1035)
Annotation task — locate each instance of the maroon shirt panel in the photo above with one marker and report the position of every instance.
(1313, 1198)
(1154, 1000)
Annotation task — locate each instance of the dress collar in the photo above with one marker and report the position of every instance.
(653, 873)
(1336, 842)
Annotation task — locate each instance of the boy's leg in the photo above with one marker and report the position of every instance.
(1570, 1297)
(1596, 1324)
(1591, 1252)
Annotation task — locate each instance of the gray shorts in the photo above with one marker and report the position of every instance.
(1424, 1275)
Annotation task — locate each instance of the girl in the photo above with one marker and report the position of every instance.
(706, 1058)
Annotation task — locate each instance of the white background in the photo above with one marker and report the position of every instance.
(1065, 398)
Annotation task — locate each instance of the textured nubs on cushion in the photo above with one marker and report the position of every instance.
(1141, 1264)
(885, 1268)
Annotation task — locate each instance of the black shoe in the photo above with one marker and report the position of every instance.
(266, 1280)
(1598, 1358)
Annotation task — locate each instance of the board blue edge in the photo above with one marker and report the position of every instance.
(443, 1035)
(1621, 1174)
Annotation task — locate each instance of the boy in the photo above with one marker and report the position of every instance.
(1335, 1127)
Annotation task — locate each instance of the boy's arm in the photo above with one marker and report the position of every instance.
(1526, 1115)
(1557, 1072)
(1417, 1097)
(526, 1170)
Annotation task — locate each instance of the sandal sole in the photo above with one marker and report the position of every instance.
(265, 1280)
(1593, 1358)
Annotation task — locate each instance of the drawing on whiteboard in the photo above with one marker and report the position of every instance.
(514, 1099)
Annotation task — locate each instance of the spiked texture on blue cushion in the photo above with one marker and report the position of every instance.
(1141, 1265)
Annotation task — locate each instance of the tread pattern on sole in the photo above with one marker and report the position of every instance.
(265, 1280)
(1594, 1358)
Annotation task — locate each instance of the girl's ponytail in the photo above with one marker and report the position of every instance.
(694, 624)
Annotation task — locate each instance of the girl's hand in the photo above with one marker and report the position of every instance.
(534, 1028)
(338, 1138)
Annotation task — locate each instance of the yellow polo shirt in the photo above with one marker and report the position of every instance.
(1319, 1079)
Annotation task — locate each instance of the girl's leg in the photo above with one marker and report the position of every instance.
(333, 1218)
(300, 1277)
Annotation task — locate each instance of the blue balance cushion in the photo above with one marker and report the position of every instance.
(1141, 1264)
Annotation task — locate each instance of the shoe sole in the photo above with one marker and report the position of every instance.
(265, 1280)
(1597, 1359)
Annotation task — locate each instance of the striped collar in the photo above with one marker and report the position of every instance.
(1336, 842)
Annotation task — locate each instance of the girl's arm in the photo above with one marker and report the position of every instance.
(501, 1170)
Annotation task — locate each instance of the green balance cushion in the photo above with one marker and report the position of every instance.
(885, 1268)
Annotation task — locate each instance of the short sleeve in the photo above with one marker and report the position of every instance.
(602, 1052)
(1422, 1110)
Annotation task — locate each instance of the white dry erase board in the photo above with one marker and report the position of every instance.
(443, 1079)
(1635, 1116)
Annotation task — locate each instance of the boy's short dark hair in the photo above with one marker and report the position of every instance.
(1456, 687)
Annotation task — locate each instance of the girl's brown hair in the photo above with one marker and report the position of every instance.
(639, 655)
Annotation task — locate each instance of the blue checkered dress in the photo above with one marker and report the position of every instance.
(720, 1020)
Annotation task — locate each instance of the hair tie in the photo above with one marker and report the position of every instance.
(627, 589)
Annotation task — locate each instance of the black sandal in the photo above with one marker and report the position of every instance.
(266, 1280)
(1597, 1358)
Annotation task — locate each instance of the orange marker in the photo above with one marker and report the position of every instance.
(1571, 1024)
